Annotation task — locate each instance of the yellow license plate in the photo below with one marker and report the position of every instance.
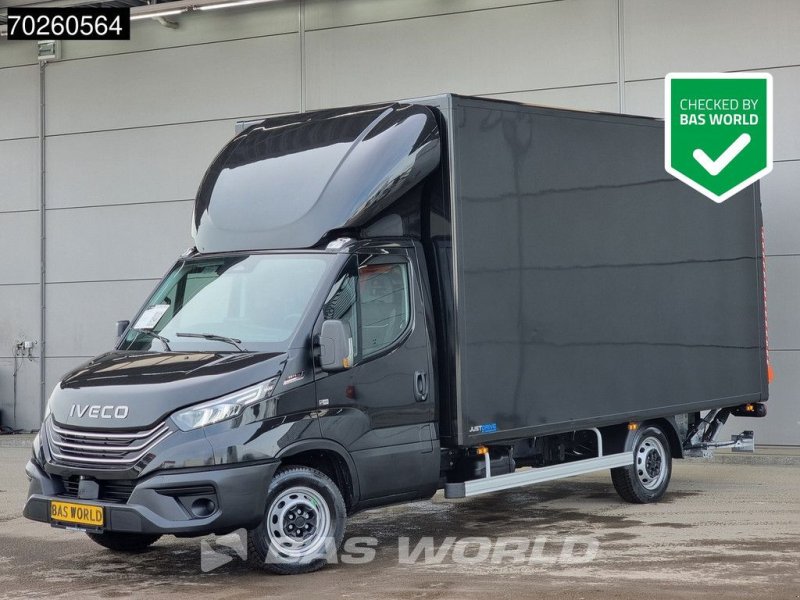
(81, 514)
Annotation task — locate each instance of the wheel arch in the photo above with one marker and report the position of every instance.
(329, 457)
(620, 438)
(670, 429)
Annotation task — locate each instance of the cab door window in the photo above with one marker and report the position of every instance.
(342, 305)
(375, 301)
(385, 304)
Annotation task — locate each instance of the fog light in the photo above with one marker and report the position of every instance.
(203, 507)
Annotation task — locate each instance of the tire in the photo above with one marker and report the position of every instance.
(124, 542)
(647, 478)
(304, 495)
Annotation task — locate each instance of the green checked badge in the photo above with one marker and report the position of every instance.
(718, 130)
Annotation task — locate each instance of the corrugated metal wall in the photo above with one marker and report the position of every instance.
(130, 128)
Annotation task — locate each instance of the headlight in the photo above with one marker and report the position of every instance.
(35, 449)
(223, 408)
(47, 409)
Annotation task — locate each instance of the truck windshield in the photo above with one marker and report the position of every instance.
(255, 300)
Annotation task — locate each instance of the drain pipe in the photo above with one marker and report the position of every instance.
(301, 25)
(621, 55)
(43, 242)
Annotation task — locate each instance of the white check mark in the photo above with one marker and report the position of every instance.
(715, 166)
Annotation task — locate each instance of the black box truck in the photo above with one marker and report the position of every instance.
(385, 301)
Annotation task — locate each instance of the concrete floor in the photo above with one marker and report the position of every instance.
(723, 531)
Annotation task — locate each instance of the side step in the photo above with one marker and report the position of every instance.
(487, 485)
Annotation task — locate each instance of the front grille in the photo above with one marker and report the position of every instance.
(117, 491)
(102, 449)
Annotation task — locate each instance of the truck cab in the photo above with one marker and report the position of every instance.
(277, 341)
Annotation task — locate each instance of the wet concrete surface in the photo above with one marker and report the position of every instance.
(723, 531)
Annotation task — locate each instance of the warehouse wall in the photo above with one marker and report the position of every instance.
(130, 128)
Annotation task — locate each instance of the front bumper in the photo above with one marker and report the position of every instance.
(162, 503)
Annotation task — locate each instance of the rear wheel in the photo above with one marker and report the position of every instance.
(303, 522)
(647, 478)
(124, 542)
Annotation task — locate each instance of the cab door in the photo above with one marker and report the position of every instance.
(382, 409)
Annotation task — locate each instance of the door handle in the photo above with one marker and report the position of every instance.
(421, 386)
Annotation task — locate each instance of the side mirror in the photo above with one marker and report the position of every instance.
(121, 327)
(336, 346)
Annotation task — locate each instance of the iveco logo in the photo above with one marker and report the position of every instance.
(96, 411)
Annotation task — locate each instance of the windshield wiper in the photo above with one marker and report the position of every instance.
(160, 338)
(215, 338)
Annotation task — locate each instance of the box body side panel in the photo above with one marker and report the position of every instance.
(592, 287)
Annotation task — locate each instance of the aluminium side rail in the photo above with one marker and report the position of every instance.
(489, 484)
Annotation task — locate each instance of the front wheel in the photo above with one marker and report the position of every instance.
(304, 522)
(647, 478)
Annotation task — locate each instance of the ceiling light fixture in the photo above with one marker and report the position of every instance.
(155, 15)
(229, 4)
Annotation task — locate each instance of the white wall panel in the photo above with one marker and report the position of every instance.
(523, 47)
(200, 27)
(81, 317)
(19, 169)
(780, 204)
(783, 298)
(590, 97)
(324, 14)
(19, 102)
(647, 98)
(782, 424)
(19, 316)
(19, 247)
(160, 107)
(176, 85)
(16, 53)
(28, 377)
(116, 242)
(132, 165)
(786, 91)
(713, 35)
